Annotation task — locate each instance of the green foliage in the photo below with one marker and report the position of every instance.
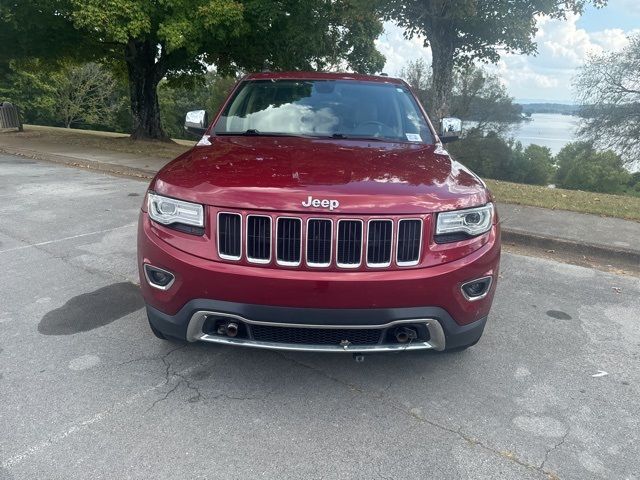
(177, 99)
(66, 94)
(27, 84)
(633, 187)
(42, 29)
(491, 156)
(581, 167)
(578, 166)
(534, 165)
(179, 38)
(84, 94)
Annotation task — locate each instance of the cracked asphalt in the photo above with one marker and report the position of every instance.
(86, 391)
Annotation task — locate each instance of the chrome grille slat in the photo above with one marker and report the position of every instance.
(379, 242)
(229, 235)
(289, 241)
(409, 242)
(319, 242)
(258, 238)
(349, 251)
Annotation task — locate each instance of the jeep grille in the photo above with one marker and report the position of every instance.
(346, 243)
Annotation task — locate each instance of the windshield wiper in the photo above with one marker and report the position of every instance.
(358, 137)
(252, 132)
(249, 133)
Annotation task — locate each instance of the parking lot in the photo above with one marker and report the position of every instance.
(86, 391)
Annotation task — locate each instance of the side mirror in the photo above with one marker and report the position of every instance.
(450, 129)
(196, 122)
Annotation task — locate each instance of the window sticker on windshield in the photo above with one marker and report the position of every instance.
(414, 137)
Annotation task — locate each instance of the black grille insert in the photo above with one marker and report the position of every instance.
(316, 336)
(409, 238)
(349, 243)
(319, 242)
(379, 242)
(258, 238)
(289, 242)
(229, 236)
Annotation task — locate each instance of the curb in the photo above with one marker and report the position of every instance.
(139, 173)
(604, 253)
(616, 255)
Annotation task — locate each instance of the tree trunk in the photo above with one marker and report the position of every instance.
(144, 75)
(442, 42)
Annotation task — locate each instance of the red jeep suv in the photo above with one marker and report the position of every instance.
(319, 212)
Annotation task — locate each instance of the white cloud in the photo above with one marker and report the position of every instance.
(562, 48)
(398, 50)
(612, 38)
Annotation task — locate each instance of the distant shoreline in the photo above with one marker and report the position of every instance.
(552, 130)
(551, 108)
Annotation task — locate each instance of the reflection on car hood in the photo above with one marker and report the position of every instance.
(279, 173)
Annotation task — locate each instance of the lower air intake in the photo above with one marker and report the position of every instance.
(316, 336)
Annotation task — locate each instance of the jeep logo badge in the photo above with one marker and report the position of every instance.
(324, 203)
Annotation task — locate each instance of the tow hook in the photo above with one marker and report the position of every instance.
(358, 357)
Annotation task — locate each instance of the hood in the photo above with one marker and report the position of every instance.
(279, 173)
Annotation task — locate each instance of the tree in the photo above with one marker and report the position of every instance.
(533, 165)
(460, 31)
(493, 157)
(178, 38)
(634, 184)
(418, 75)
(608, 89)
(84, 93)
(489, 156)
(27, 84)
(581, 167)
(480, 96)
(477, 95)
(207, 92)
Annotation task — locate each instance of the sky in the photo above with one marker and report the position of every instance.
(563, 47)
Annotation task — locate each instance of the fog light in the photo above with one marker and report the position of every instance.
(476, 289)
(158, 278)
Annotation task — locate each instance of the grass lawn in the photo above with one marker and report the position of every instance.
(554, 198)
(620, 206)
(109, 141)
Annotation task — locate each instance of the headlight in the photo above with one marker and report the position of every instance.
(169, 210)
(472, 221)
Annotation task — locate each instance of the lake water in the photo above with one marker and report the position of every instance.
(547, 129)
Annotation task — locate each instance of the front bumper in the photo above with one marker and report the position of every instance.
(442, 331)
(428, 298)
(200, 278)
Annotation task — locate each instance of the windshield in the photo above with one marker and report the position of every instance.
(326, 109)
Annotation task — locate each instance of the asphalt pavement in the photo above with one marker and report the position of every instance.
(551, 391)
